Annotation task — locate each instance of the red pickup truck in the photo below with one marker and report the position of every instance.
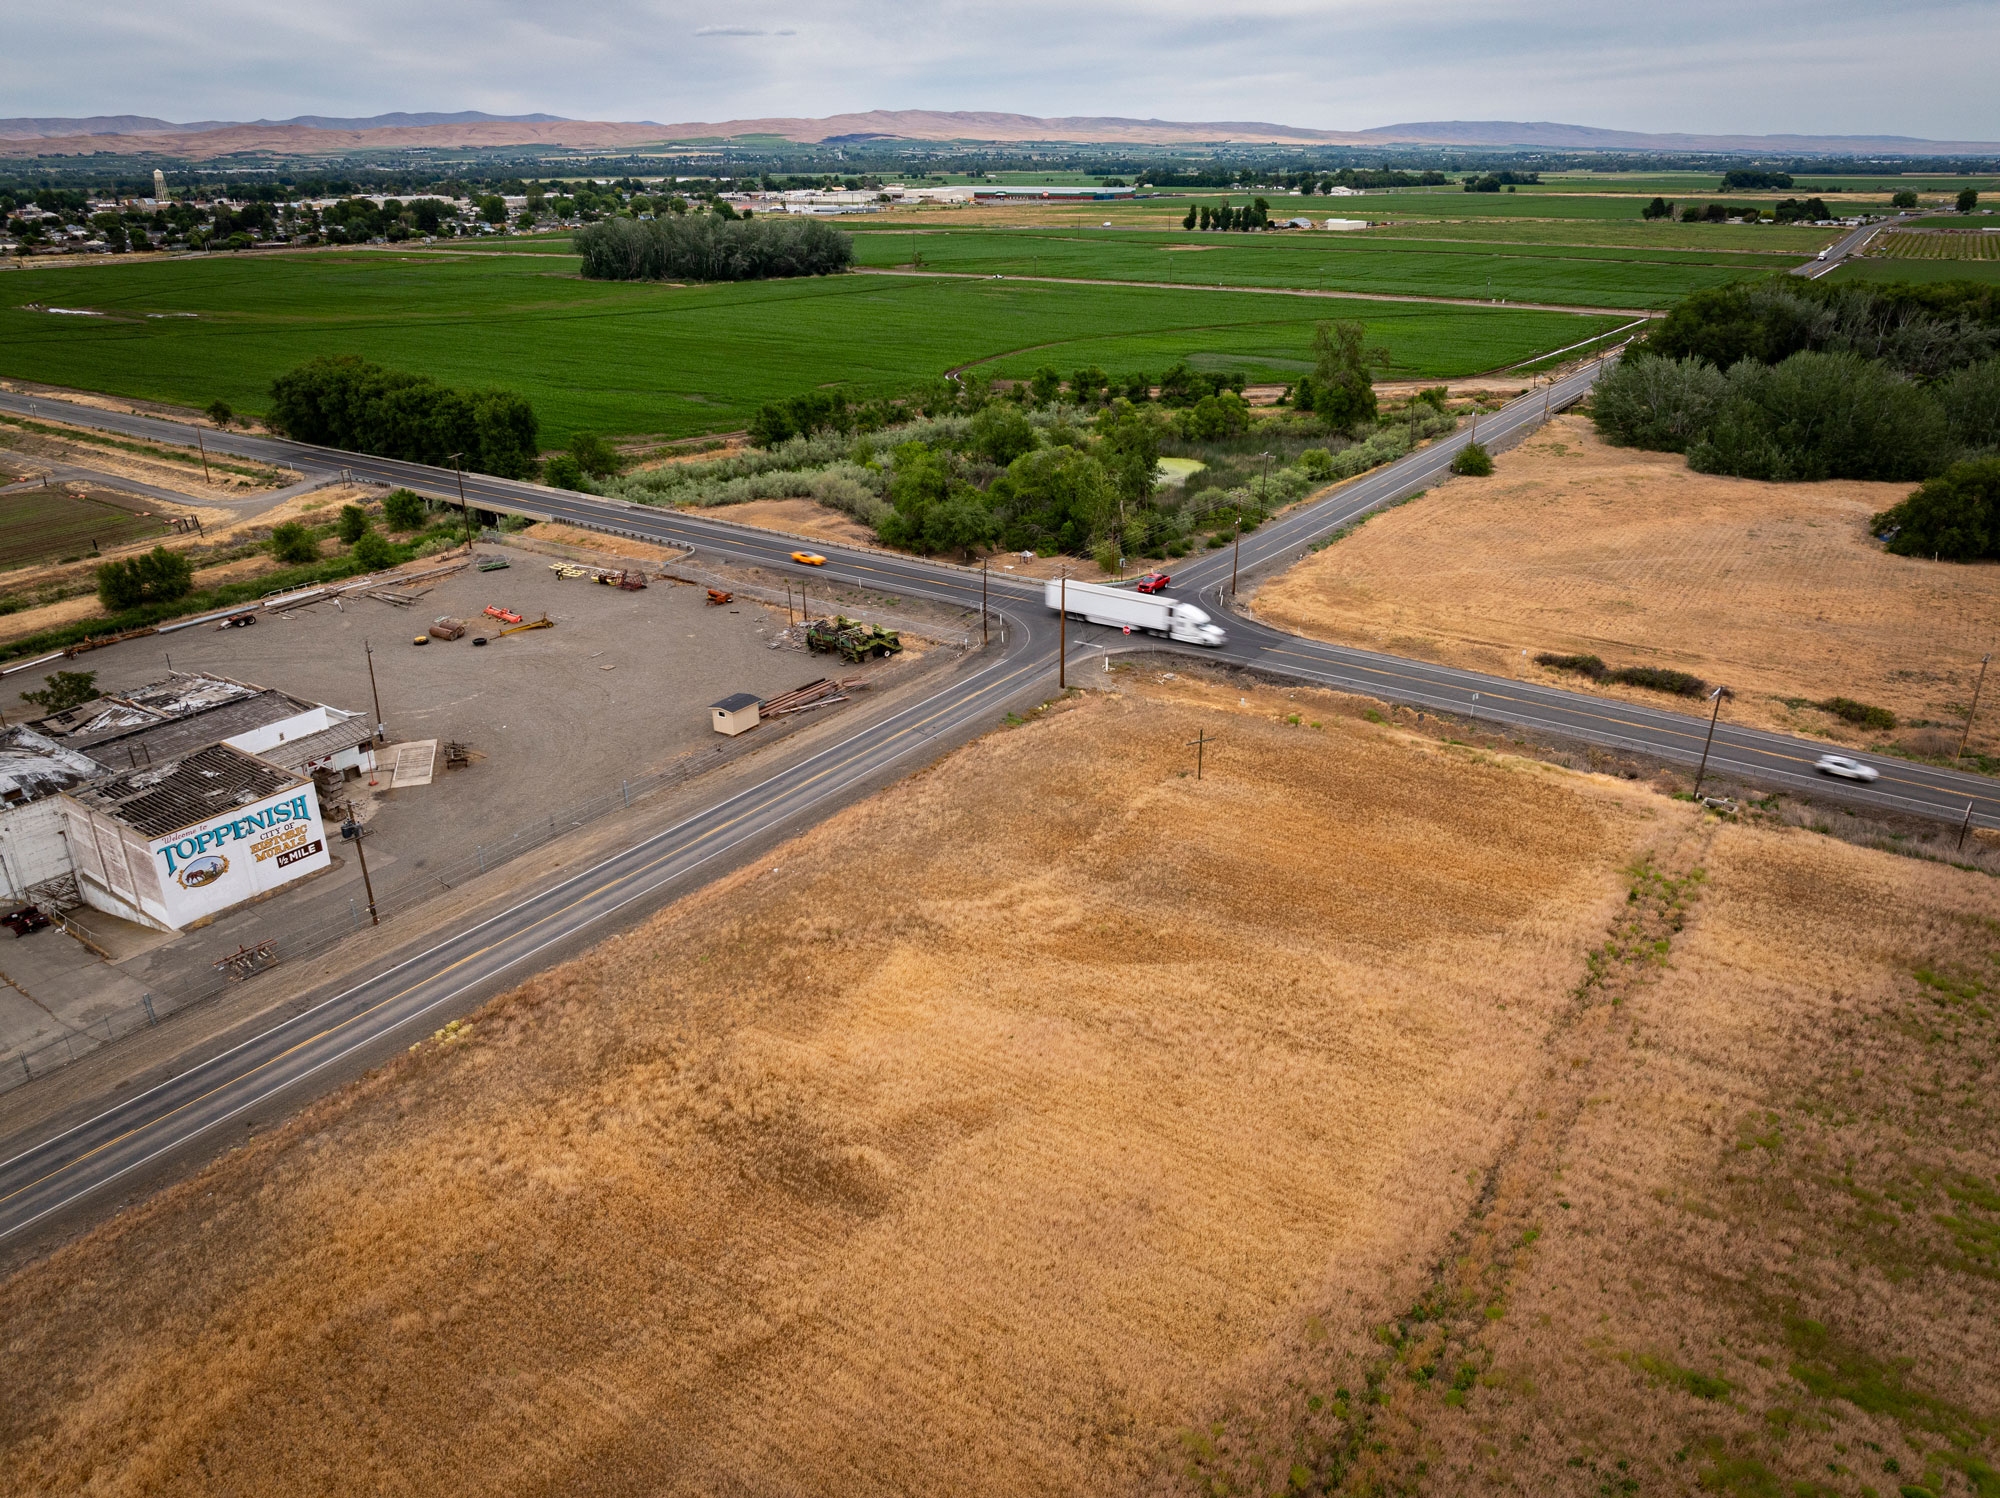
(1154, 582)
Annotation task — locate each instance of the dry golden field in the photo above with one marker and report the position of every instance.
(1576, 547)
(1057, 1123)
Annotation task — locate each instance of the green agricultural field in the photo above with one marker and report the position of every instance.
(1714, 244)
(1589, 276)
(1877, 269)
(634, 358)
(46, 525)
(1934, 244)
(1690, 183)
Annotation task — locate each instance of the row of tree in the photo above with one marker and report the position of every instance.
(1255, 215)
(704, 247)
(1811, 381)
(1339, 391)
(1922, 330)
(349, 403)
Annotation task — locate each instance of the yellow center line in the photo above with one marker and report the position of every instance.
(625, 878)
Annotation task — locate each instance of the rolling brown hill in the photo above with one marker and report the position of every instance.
(211, 139)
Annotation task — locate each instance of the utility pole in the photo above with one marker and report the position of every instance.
(1198, 743)
(1703, 770)
(1062, 636)
(1965, 826)
(1977, 689)
(1236, 553)
(351, 830)
(982, 600)
(202, 447)
(369, 650)
(464, 508)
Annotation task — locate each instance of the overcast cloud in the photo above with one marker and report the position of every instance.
(1907, 67)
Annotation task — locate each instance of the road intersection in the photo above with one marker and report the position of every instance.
(46, 1182)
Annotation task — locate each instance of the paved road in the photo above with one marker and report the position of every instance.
(353, 1029)
(45, 1179)
(1848, 244)
(1780, 760)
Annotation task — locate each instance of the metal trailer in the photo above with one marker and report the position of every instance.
(1142, 613)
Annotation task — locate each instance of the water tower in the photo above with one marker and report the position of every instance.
(159, 185)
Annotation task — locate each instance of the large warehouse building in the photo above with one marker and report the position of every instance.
(171, 802)
(173, 844)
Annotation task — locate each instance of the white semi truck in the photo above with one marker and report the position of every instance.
(1148, 613)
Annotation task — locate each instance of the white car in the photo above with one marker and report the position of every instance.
(1845, 768)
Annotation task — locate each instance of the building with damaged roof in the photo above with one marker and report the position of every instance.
(177, 842)
(189, 710)
(34, 772)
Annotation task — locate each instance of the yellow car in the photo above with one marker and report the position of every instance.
(809, 558)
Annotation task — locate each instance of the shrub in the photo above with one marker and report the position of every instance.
(594, 455)
(1823, 416)
(352, 524)
(1000, 434)
(1107, 554)
(1317, 464)
(1860, 714)
(220, 413)
(1655, 403)
(1971, 399)
(293, 543)
(403, 510)
(564, 472)
(1473, 461)
(374, 551)
(64, 690)
(700, 247)
(1659, 679)
(1954, 517)
(1583, 665)
(160, 576)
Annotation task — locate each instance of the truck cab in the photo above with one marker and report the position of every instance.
(1193, 626)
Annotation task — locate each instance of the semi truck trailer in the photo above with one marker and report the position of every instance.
(1153, 614)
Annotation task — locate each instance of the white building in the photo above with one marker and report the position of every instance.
(1345, 223)
(190, 710)
(34, 772)
(173, 845)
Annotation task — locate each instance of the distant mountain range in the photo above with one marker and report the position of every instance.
(316, 135)
(139, 124)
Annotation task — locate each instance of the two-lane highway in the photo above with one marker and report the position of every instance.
(46, 1178)
(306, 1052)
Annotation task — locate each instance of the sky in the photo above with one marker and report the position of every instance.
(1904, 67)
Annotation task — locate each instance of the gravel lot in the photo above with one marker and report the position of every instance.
(618, 689)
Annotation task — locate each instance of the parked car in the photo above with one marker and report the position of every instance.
(1154, 582)
(1845, 768)
(24, 920)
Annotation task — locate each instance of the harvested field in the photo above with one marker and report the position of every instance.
(62, 593)
(37, 524)
(1745, 1243)
(1576, 547)
(1405, 1115)
(903, 1162)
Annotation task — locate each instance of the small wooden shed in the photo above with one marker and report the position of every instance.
(735, 714)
